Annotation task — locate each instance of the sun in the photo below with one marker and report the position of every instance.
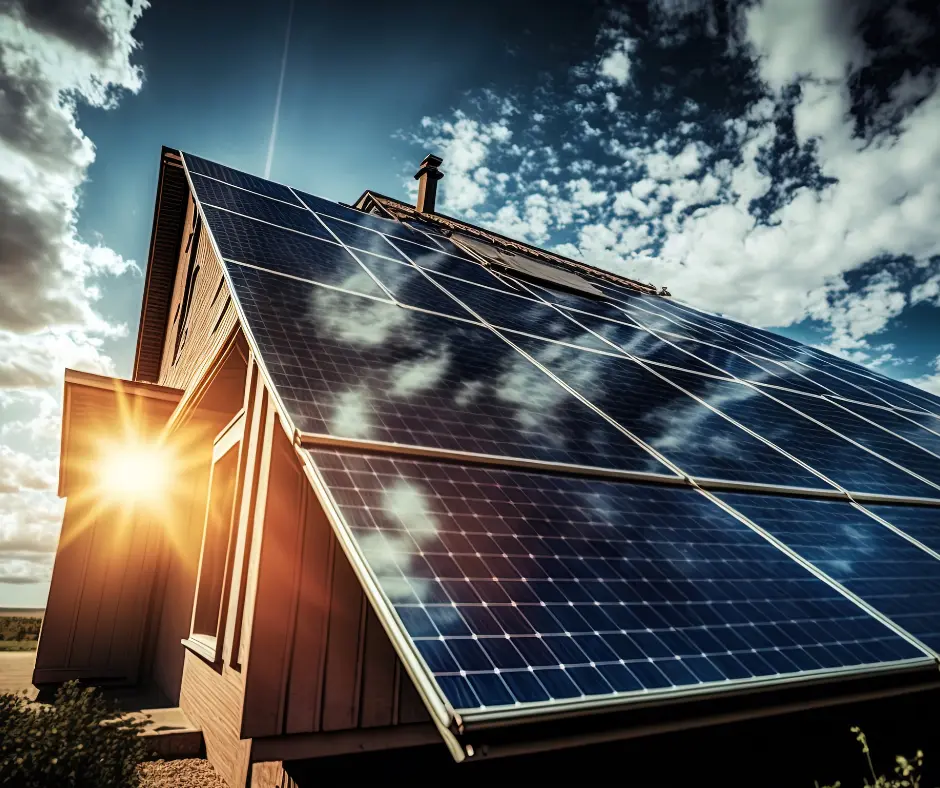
(134, 471)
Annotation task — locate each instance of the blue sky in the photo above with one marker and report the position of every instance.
(777, 161)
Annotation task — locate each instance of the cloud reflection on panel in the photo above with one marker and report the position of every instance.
(699, 441)
(351, 367)
(404, 519)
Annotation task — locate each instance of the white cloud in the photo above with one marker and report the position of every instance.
(722, 222)
(929, 382)
(805, 38)
(54, 57)
(583, 193)
(465, 145)
(19, 471)
(928, 290)
(616, 63)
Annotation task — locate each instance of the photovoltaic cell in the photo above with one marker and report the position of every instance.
(737, 365)
(925, 420)
(919, 522)
(519, 588)
(372, 222)
(868, 435)
(699, 441)
(350, 367)
(231, 199)
(899, 425)
(660, 323)
(895, 577)
(923, 400)
(522, 314)
(242, 179)
(643, 344)
(886, 394)
(451, 265)
(578, 303)
(410, 286)
(362, 239)
(838, 386)
(848, 465)
(247, 241)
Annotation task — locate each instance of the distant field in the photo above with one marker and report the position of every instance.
(18, 645)
(19, 628)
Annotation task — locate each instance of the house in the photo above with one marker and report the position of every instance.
(383, 479)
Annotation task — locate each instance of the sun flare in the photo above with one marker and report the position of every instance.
(134, 471)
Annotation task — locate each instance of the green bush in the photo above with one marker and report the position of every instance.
(79, 741)
(906, 771)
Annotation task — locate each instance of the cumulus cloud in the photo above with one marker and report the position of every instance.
(764, 206)
(465, 144)
(615, 64)
(54, 57)
(931, 381)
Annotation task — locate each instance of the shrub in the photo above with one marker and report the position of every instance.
(907, 772)
(79, 741)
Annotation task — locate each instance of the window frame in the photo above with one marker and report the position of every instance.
(230, 440)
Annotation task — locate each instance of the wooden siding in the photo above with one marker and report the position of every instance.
(211, 697)
(209, 317)
(173, 602)
(107, 557)
(320, 660)
(168, 215)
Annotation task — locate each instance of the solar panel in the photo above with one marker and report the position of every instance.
(241, 179)
(349, 367)
(919, 522)
(519, 588)
(410, 286)
(368, 220)
(451, 265)
(834, 385)
(643, 344)
(699, 441)
(522, 314)
(899, 425)
(362, 239)
(212, 192)
(521, 572)
(843, 462)
(885, 570)
(275, 249)
(744, 368)
(590, 306)
(868, 435)
(925, 420)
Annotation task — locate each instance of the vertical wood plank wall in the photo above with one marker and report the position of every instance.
(319, 658)
(106, 561)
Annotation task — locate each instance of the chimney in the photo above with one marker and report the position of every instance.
(427, 177)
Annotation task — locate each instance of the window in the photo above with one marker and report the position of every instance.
(192, 276)
(214, 563)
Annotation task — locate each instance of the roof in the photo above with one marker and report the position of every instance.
(373, 202)
(561, 505)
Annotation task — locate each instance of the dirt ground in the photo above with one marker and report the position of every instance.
(16, 671)
(186, 773)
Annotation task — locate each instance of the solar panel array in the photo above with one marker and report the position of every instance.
(611, 498)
